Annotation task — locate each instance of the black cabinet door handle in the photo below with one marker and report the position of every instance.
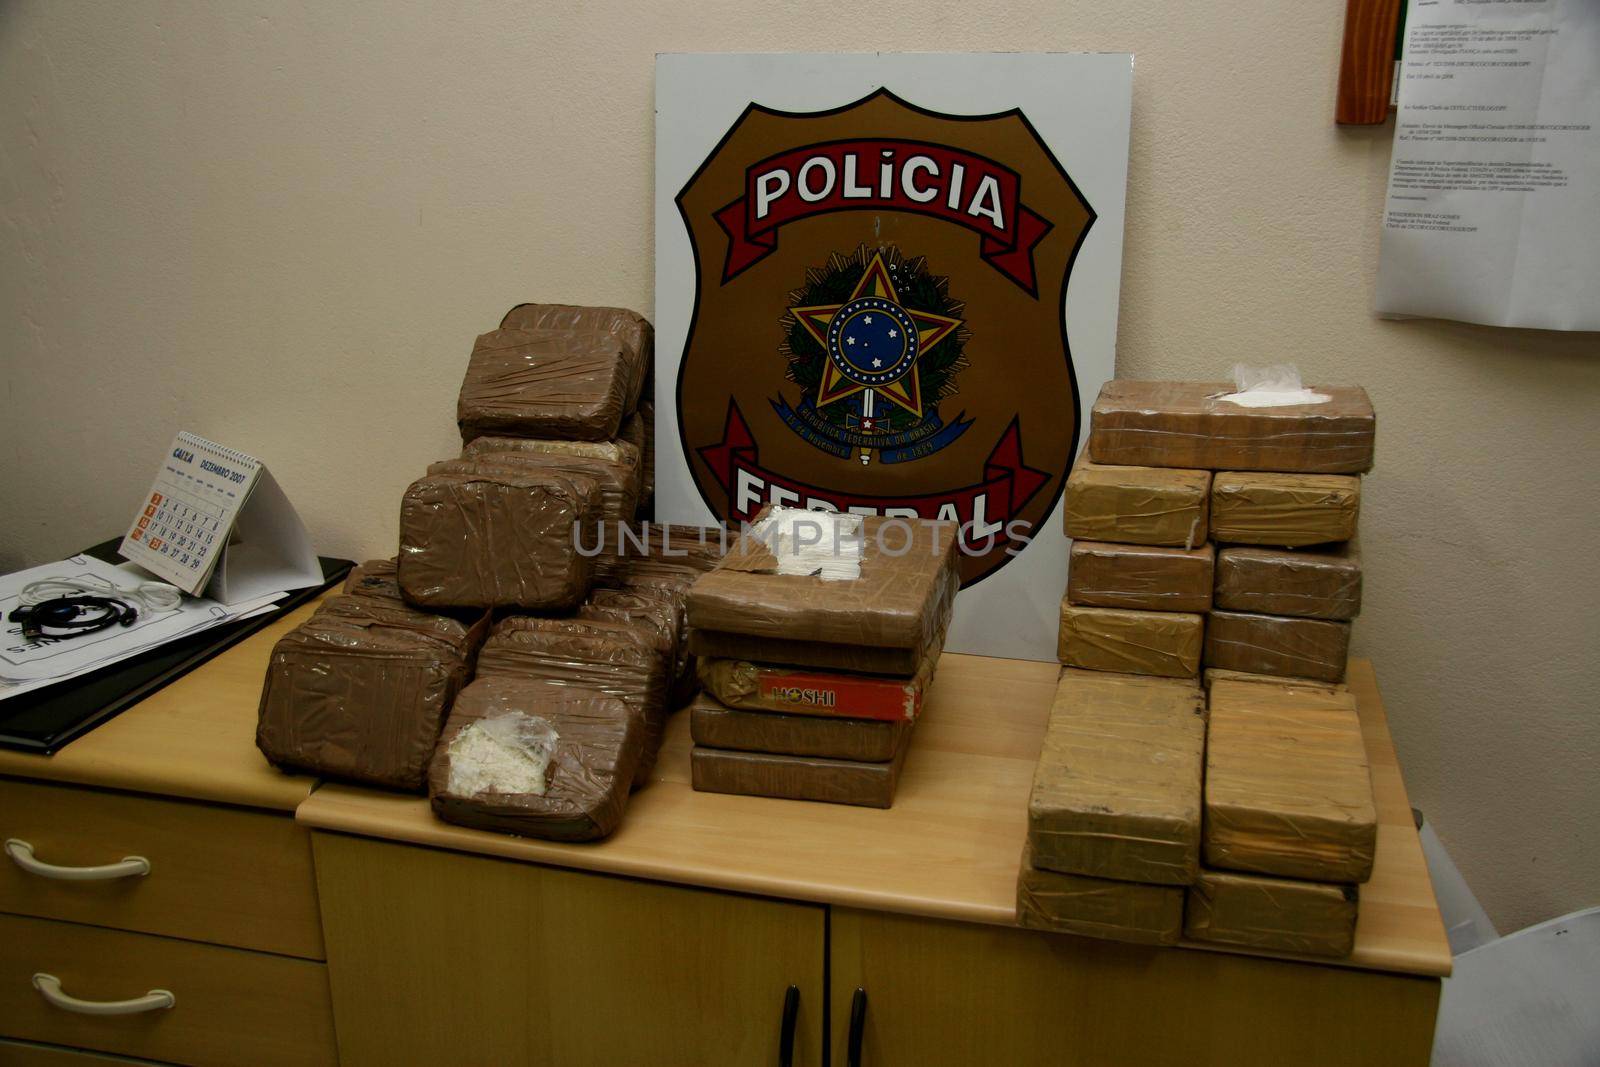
(858, 1021)
(791, 1007)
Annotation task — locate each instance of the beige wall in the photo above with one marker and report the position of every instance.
(281, 226)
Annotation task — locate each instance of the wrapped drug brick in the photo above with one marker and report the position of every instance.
(1136, 505)
(738, 683)
(867, 591)
(647, 417)
(1142, 577)
(629, 328)
(1310, 584)
(652, 609)
(1188, 424)
(375, 578)
(360, 690)
(591, 655)
(1162, 643)
(1212, 675)
(1098, 907)
(496, 538)
(1284, 510)
(674, 548)
(1287, 790)
(714, 725)
(626, 456)
(518, 757)
(1273, 914)
(829, 781)
(1318, 649)
(1116, 793)
(543, 383)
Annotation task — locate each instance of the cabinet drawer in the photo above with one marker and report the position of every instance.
(230, 1006)
(20, 1054)
(222, 875)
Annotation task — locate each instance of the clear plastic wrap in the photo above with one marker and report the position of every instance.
(496, 538)
(1188, 424)
(1162, 643)
(1284, 510)
(1272, 914)
(1116, 793)
(1274, 581)
(830, 781)
(375, 578)
(1136, 505)
(1098, 907)
(629, 328)
(546, 383)
(585, 655)
(360, 690)
(1288, 791)
(1318, 649)
(588, 766)
(1141, 577)
(753, 686)
(714, 725)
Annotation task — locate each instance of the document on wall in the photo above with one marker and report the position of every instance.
(1493, 212)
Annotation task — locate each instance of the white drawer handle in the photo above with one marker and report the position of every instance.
(21, 854)
(49, 987)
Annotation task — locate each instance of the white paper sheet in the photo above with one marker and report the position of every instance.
(1493, 213)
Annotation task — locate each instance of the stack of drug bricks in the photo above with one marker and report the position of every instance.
(1128, 838)
(815, 659)
(520, 563)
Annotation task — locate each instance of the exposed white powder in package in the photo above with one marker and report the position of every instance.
(822, 543)
(1270, 387)
(508, 753)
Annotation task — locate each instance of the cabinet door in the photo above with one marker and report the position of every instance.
(957, 993)
(438, 957)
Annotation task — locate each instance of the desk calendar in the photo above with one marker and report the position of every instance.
(216, 519)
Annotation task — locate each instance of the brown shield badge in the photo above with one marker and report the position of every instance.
(879, 319)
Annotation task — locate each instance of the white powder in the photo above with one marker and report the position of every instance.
(507, 753)
(1269, 387)
(822, 543)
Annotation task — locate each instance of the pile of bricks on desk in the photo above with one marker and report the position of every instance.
(519, 657)
(814, 674)
(1207, 534)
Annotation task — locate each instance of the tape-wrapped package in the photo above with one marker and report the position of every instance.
(625, 455)
(738, 683)
(1318, 649)
(830, 781)
(1136, 505)
(883, 619)
(1212, 675)
(1162, 643)
(360, 690)
(1288, 791)
(547, 383)
(1141, 577)
(520, 757)
(375, 578)
(1273, 914)
(1192, 425)
(1284, 510)
(618, 660)
(629, 328)
(496, 538)
(1116, 792)
(1098, 907)
(715, 725)
(1276, 581)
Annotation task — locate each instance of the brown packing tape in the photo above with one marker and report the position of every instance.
(586, 784)
(890, 662)
(901, 599)
(1277, 581)
(1288, 790)
(375, 578)
(1213, 675)
(1318, 649)
(1185, 424)
(1116, 793)
(546, 383)
(713, 725)
(757, 774)
(630, 328)
(1098, 907)
(626, 455)
(1284, 510)
(1272, 914)
(1141, 577)
(496, 539)
(1163, 643)
(1136, 505)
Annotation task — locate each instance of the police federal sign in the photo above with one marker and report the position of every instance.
(862, 299)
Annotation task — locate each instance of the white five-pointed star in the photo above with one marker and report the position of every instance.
(867, 320)
(849, 340)
(877, 363)
(894, 333)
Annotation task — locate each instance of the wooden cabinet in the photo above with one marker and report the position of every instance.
(957, 993)
(438, 957)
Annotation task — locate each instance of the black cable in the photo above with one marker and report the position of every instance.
(77, 616)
